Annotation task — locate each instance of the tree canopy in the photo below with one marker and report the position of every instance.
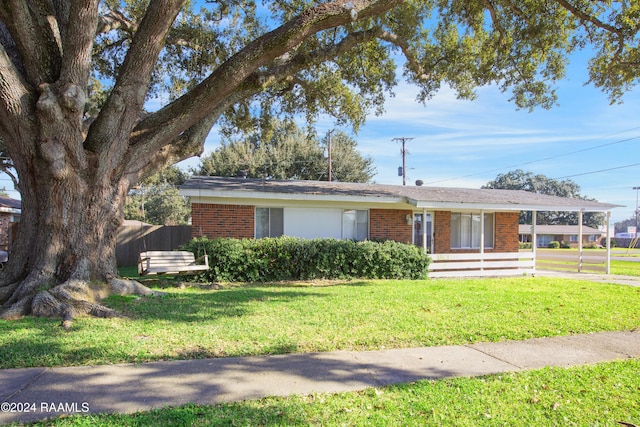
(157, 200)
(99, 94)
(527, 181)
(288, 152)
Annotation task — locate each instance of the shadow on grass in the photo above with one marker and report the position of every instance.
(192, 305)
(35, 343)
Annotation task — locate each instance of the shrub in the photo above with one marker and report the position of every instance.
(290, 258)
(554, 244)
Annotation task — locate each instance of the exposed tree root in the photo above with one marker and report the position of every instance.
(72, 299)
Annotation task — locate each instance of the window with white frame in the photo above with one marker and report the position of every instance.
(355, 224)
(269, 222)
(466, 230)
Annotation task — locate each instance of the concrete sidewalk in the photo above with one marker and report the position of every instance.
(38, 393)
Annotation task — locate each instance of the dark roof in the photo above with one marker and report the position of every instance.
(7, 202)
(420, 197)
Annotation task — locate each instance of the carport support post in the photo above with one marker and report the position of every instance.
(424, 230)
(580, 255)
(481, 240)
(608, 243)
(534, 238)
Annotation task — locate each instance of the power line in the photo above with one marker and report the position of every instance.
(601, 170)
(548, 158)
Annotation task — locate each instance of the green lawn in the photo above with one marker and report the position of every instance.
(625, 268)
(358, 315)
(239, 320)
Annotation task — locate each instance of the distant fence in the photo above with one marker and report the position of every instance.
(133, 239)
(623, 242)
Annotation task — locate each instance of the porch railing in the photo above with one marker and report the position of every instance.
(589, 261)
(486, 264)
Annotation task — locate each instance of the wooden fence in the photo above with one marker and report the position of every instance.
(133, 239)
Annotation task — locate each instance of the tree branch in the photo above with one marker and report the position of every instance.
(36, 38)
(120, 112)
(78, 42)
(115, 20)
(225, 80)
(585, 17)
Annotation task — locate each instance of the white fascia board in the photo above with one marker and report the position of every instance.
(10, 210)
(457, 206)
(258, 195)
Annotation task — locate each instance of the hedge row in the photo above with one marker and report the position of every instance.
(290, 258)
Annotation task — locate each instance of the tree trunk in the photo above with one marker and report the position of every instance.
(63, 261)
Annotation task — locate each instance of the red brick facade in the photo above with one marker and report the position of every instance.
(5, 223)
(441, 232)
(239, 221)
(506, 232)
(222, 220)
(505, 238)
(390, 224)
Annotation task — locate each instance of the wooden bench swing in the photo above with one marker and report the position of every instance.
(171, 262)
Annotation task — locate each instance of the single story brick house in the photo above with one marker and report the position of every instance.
(568, 234)
(465, 230)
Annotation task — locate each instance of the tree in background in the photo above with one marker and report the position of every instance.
(347, 164)
(287, 152)
(157, 200)
(527, 181)
(76, 75)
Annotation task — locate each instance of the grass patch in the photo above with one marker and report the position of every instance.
(625, 268)
(359, 315)
(597, 395)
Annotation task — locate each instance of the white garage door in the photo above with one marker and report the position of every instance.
(313, 223)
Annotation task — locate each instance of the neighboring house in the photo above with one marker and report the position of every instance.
(568, 234)
(10, 211)
(461, 228)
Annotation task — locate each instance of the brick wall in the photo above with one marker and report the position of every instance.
(238, 221)
(505, 239)
(390, 224)
(222, 220)
(441, 232)
(5, 221)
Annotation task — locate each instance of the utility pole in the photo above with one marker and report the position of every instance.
(404, 153)
(329, 154)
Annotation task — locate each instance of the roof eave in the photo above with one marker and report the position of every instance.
(205, 194)
(506, 206)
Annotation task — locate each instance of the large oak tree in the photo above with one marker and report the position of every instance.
(75, 76)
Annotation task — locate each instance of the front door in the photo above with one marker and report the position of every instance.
(422, 229)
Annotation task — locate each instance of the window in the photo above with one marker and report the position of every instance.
(355, 224)
(269, 222)
(466, 230)
(573, 238)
